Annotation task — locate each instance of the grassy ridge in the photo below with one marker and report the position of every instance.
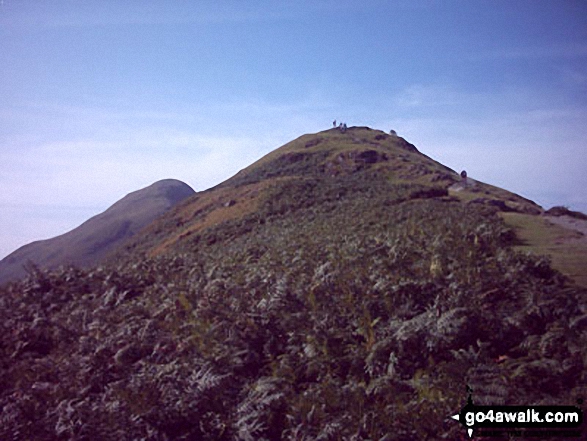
(343, 305)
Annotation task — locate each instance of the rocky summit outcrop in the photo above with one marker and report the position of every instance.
(96, 238)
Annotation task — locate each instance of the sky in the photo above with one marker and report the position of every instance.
(99, 98)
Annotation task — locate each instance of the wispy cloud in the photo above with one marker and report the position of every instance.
(80, 173)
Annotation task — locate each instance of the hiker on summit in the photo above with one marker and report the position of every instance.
(334, 123)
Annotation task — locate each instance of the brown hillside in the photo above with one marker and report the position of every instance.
(92, 241)
(330, 157)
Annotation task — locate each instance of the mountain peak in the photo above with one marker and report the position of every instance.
(97, 237)
(336, 152)
(313, 169)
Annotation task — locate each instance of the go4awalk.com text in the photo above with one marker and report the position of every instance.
(544, 421)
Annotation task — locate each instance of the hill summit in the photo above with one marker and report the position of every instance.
(96, 238)
(319, 169)
(345, 286)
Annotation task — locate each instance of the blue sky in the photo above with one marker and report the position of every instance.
(101, 98)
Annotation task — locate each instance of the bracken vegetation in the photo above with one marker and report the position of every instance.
(344, 307)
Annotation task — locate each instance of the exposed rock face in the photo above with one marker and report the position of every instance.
(353, 161)
(97, 237)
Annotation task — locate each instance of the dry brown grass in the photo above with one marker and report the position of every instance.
(213, 208)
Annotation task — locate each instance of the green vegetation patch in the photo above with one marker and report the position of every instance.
(539, 236)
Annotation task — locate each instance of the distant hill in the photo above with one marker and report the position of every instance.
(344, 286)
(92, 241)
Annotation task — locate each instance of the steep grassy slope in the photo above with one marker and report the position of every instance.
(331, 160)
(92, 241)
(329, 157)
(297, 300)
